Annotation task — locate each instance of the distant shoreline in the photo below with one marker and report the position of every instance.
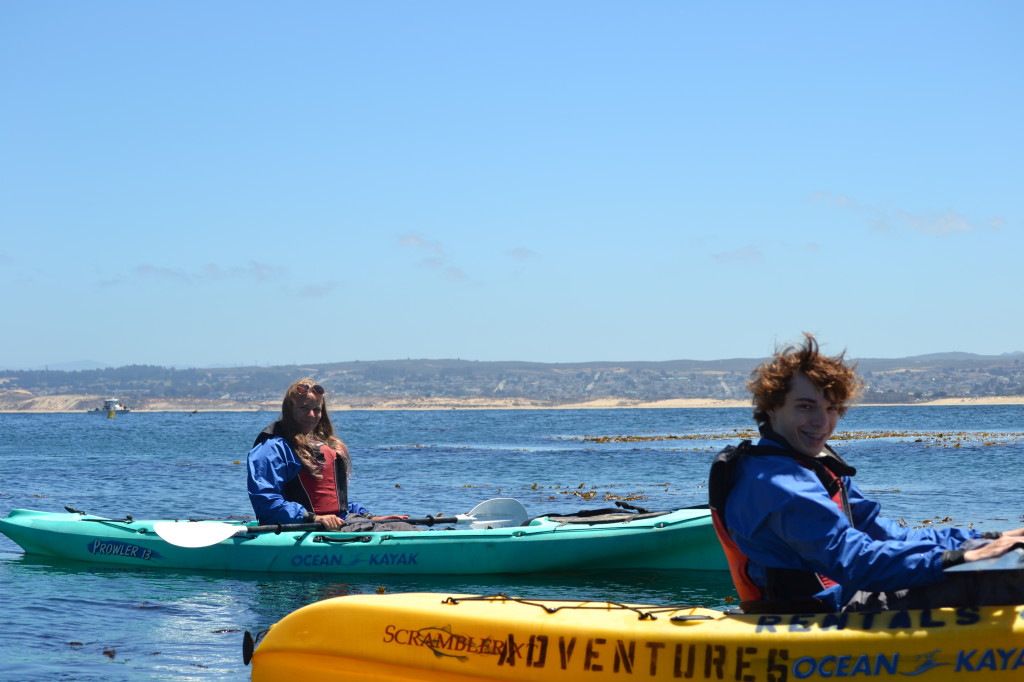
(14, 404)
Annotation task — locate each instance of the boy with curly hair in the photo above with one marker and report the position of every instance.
(798, 533)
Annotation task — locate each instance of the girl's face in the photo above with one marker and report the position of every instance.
(306, 412)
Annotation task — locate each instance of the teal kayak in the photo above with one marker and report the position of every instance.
(680, 539)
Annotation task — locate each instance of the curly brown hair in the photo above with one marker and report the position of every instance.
(769, 383)
(307, 447)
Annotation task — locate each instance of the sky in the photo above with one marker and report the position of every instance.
(197, 184)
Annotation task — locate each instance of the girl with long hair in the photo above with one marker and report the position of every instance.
(299, 469)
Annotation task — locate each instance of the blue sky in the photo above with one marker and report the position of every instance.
(238, 183)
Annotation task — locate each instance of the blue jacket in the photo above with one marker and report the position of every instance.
(780, 515)
(272, 466)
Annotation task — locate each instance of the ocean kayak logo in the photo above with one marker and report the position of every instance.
(374, 559)
(122, 549)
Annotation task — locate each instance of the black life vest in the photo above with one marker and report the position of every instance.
(787, 589)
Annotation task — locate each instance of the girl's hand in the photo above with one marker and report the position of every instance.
(329, 521)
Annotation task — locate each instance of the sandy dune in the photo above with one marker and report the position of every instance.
(23, 401)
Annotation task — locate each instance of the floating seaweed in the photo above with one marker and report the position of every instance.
(950, 439)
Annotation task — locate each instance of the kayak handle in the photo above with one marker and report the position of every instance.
(357, 538)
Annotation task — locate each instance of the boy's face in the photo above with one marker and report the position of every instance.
(806, 419)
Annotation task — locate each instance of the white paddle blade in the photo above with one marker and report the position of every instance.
(194, 533)
(501, 512)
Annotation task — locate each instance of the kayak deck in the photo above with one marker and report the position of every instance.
(467, 637)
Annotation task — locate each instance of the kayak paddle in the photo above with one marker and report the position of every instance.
(495, 513)
(500, 512)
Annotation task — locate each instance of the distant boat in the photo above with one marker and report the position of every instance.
(111, 407)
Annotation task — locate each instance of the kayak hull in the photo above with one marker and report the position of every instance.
(448, 638)
(683, 539)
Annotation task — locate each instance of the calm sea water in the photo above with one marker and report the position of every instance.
(69, 621)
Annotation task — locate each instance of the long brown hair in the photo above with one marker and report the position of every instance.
(307, 447)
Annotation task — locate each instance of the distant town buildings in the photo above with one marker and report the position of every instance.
(952, 375)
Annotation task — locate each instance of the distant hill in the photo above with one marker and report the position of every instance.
(918, 378)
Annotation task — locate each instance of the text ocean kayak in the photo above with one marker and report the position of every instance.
(681, 539)
(447, 638)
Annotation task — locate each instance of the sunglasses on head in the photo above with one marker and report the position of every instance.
(303, 389)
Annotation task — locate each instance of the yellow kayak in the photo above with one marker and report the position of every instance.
(437, 637)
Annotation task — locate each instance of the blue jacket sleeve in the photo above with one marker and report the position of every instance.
(780, 516)
(271, 465)
(356, 508)
(866, 517)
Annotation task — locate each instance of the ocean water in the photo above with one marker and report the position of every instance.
(73, 621)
